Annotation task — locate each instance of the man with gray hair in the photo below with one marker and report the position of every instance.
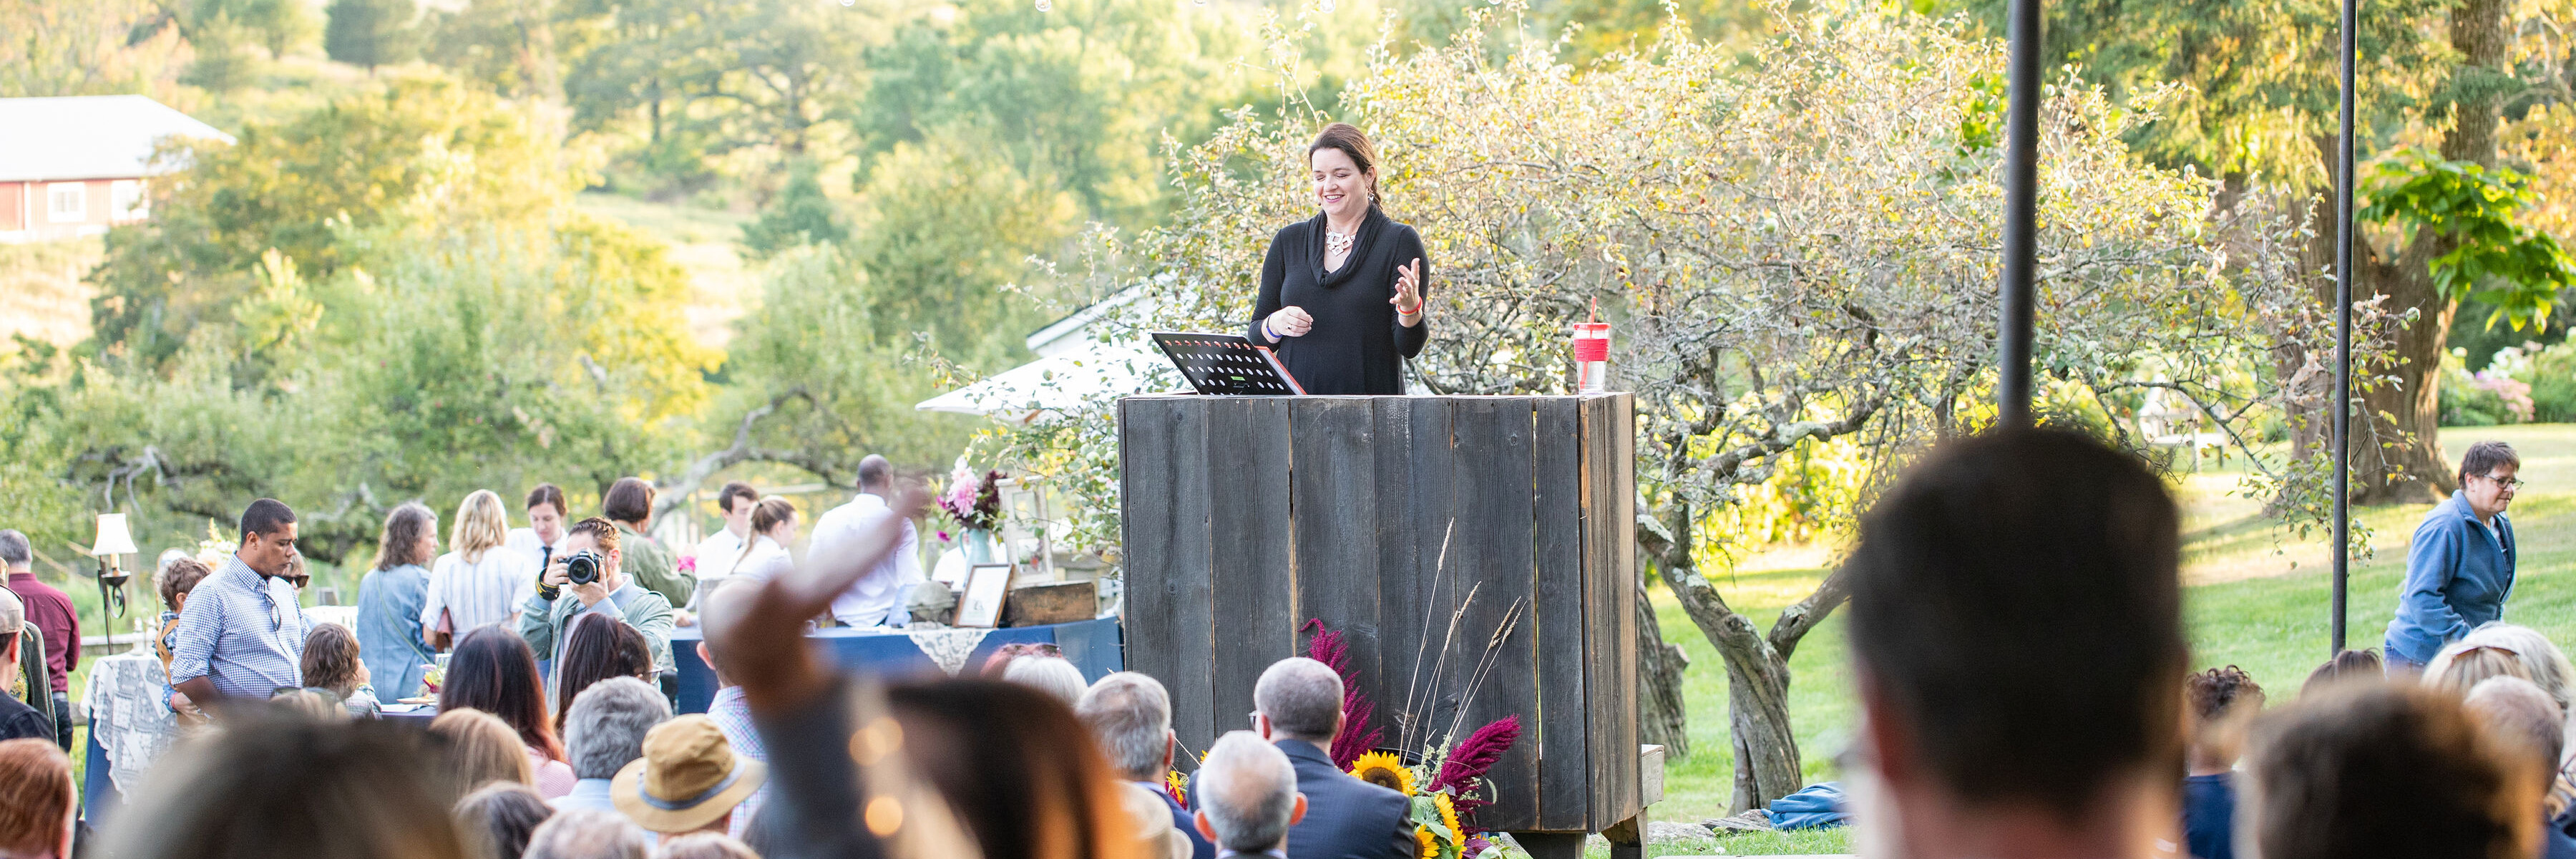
(1300, 711)
(50, 611)
(1131, 715)
(589, 834)
(603, 732)
(1248, 797)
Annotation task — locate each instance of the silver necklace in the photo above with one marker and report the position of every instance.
(1338, 243)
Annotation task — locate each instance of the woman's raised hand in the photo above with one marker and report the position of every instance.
(1290, 321)
(1408, 289)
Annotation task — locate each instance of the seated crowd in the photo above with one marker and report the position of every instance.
(2025, 691)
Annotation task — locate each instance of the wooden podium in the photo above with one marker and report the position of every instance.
(1246, 516)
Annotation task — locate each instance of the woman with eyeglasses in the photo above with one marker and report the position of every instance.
(2459, 569)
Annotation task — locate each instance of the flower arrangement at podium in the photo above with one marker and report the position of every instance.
(1446, 779)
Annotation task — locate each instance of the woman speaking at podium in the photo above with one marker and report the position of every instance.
(1342, 294)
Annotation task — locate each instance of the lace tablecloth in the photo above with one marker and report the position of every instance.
(128, 716)
(948, 647)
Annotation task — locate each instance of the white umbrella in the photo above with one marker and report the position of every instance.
(1053, 386)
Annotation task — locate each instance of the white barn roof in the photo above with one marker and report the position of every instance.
(87, 137)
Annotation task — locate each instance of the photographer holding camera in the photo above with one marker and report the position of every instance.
(584, 578)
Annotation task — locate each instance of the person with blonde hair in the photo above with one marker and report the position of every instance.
(472, 585)
(2459, 666)
(481, 750)
(2540, 657)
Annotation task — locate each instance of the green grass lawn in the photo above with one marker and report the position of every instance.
(2257, 598)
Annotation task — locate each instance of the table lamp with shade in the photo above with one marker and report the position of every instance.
(114, 541)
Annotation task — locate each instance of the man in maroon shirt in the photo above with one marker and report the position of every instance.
(50, 612)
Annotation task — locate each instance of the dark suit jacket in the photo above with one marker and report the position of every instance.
(1346, 818)
(1186, 822)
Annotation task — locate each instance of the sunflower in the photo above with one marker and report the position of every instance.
(1178, 784)
(1430, 845)
(1449, 817)
(1384, 770)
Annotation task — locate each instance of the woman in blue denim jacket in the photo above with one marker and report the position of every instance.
(2460, 568)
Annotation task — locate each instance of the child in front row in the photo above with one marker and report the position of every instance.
(2222, 702)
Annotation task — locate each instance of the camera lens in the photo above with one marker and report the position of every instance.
(582, 568)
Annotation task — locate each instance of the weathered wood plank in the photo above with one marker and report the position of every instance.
(1188, 575)
(1609, 552)
(1621, 535)
(1145, 480)
(1557, 496)
(1414, 461)
(1491, 494)
(1253, 545)
(1337, 525)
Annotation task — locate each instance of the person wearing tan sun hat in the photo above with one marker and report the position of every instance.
(688, 780)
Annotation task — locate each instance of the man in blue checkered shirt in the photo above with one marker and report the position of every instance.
(242, 632)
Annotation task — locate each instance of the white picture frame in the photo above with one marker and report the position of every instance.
(986, 586)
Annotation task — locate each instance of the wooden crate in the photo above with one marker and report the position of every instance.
(1246, 516)
(1045, 603)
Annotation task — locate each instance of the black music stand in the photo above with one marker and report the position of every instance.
(1227, 364)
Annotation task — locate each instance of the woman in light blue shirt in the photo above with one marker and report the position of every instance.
(390, 598)
(2460, 565)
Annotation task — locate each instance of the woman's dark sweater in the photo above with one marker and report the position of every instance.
(1356, 345)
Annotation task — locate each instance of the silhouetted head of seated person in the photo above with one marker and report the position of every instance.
(1018, 768)
(2521, 713)
(481, 749)
(273, 783)
(1247, 796)
(2347, 665)
(606, 732)
(598, 647)
(2017, 637)
(37, 801)
(589, 833)
(2222, 703)
(495, 822)
(2369, 770)
(493, 670)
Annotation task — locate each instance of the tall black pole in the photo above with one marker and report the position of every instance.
(2343, 330)
(2021, 217)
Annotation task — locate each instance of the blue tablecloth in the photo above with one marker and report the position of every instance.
(1091, 645)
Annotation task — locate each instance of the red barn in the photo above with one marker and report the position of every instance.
(74, 166)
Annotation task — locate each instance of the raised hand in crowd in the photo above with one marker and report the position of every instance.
(775, 668)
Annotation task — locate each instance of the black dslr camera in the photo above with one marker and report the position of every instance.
(582, 567)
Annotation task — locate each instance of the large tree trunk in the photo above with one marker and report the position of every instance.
(1757, 665)
(2416, 470)
(1662, 718)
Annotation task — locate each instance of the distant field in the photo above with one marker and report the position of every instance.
(702, 241)
(2256, 599)
(41, 293)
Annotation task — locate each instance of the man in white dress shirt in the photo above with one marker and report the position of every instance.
(717, 553)
(877, 598)
(543, 539)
